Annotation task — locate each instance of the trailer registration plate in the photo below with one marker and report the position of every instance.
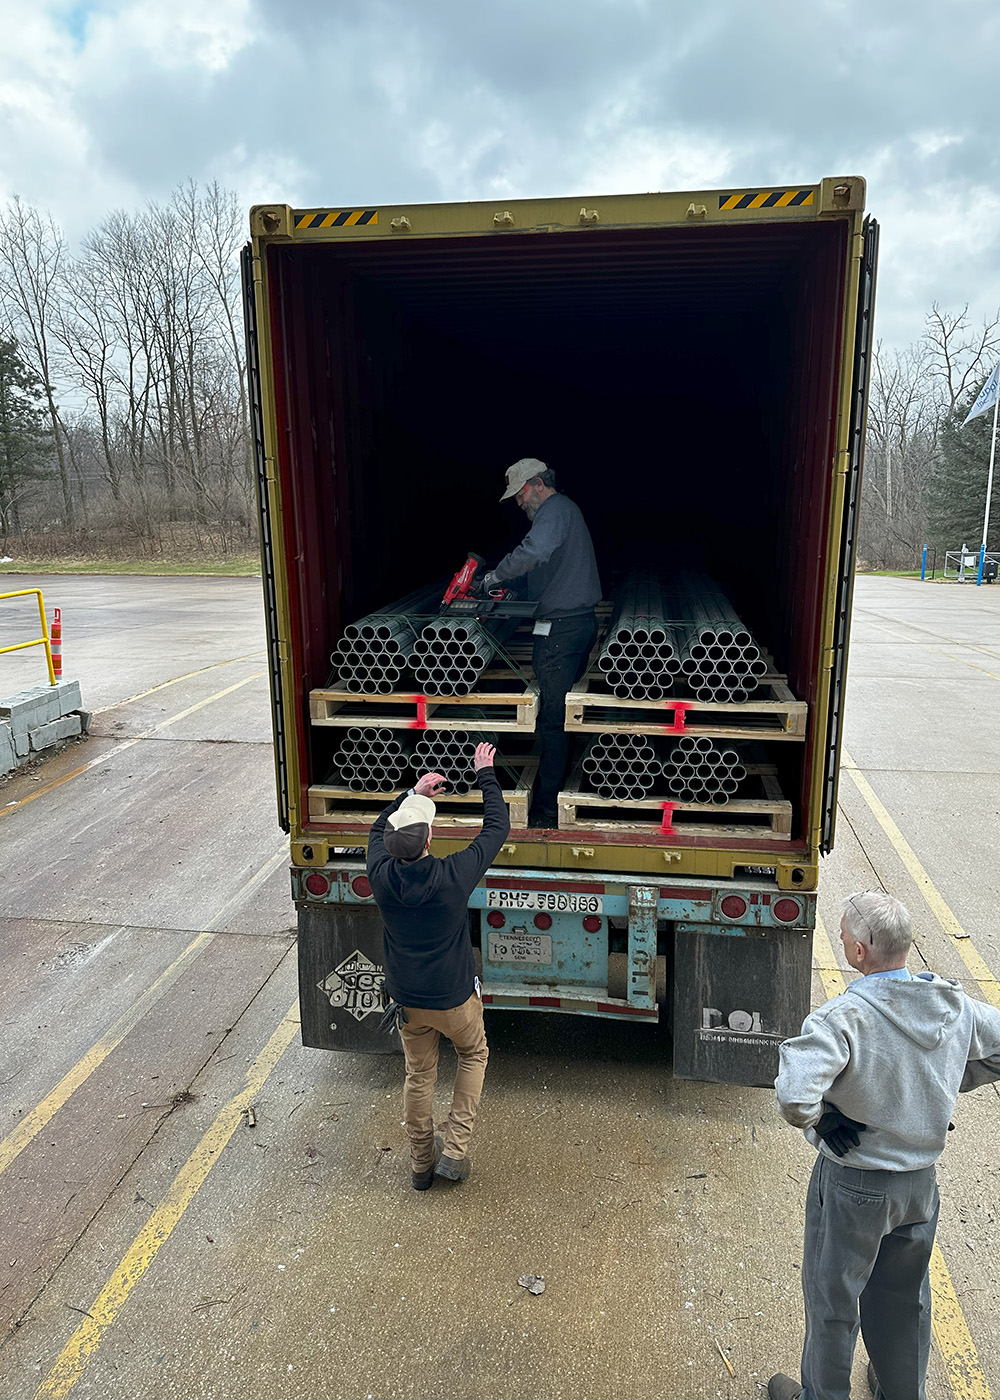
(519, 947)
(555, 901)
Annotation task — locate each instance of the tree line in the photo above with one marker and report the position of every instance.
(123, 416)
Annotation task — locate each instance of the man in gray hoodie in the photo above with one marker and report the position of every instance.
(873, 1079)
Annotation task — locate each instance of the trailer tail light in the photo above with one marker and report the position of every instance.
(495, 919)
(734, 906)
(317, 883)
(542, 921)
(362, 886)
(592, 923)
(787, 910)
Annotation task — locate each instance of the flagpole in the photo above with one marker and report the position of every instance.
(989, 487)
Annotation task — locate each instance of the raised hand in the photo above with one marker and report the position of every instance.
(485, 754)
(432, 784)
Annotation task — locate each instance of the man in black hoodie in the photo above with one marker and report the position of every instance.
(429, 968)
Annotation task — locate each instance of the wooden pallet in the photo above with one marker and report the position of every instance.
(489, 710)
(342, 805)
(650, 815)
(591, 707)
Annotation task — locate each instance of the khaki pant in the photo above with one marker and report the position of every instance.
(421, 1034)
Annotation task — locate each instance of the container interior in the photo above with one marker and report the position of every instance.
(681, 381)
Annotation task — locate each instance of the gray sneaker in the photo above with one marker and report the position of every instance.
(453, 1170)
(422, 1181)
(782, 1387)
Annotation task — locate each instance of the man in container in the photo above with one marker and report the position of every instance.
(429, 969)
(557, 563)
(873, 1079)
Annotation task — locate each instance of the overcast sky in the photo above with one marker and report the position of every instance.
(106, 103)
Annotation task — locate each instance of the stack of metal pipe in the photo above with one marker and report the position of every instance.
(719, 658)
(450, 752)
(699, 769)
(640, 656)
(373, 760)
(373, 652)
(622, 767)
(448, 656)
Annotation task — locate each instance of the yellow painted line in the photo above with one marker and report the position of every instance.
(81, 1347)
(988, 984)
(962, 662)
(952, 1335)
(785, 199)
(42, 1114)
(951, 1331)
(758, 199)
(177, 680)
(125, 744)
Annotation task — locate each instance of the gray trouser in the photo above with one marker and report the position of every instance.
(868, 1242)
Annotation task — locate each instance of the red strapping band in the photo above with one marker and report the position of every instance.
(421, 720)
(666, 825)
(680, 709)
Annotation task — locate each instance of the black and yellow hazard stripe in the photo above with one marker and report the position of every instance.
(767, 199)
(335, 218)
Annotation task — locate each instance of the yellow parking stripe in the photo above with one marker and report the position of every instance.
(165, 685)
(951, 1331)
(81, 1347)
(42, 1114)
(969, 954)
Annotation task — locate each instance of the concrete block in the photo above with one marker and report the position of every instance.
(8, 758)
(70, 698)
(48, 734)
(30, 708)
(22, 744)
(86, 716)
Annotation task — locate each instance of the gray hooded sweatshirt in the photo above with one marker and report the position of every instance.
(894, 1055)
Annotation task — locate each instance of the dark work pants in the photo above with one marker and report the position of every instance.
(868, 1242)
(559, 659)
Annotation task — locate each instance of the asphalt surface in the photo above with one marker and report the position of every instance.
(147, 934)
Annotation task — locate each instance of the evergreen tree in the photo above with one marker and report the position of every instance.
(955, 490)
(25, 435)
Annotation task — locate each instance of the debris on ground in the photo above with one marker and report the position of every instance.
(534, 1283)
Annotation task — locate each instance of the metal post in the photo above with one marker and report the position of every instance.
(989, 487)
(923, 565)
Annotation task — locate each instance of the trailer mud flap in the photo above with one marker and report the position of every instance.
(736, 999)
(340, 980)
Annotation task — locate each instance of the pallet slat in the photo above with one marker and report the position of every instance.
(328, 803)
(779, 717)
(573, 805)
(490, 709)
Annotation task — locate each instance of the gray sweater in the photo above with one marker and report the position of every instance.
(894, 1055)
(556, 559)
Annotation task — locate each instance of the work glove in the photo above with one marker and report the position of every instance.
(490, 581)
(839, 1132)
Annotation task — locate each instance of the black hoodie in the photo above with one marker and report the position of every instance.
(425, 908)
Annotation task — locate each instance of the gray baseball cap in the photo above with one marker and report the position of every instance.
(521, 472)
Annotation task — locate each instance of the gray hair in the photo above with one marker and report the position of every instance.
(881, 921)
(547, 478)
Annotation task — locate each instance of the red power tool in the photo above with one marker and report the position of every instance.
(463, 596)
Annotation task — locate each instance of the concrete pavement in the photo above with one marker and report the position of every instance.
(664, 1215)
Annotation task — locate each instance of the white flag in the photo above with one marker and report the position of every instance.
(987, 396)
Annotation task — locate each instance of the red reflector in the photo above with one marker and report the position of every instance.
(317, 883)
(362, 887)
(592, 923)
(542, 921)
(734, 906)
(495, 919)
(787, 910)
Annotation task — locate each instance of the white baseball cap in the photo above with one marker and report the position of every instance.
(520, 473)
(409, 826)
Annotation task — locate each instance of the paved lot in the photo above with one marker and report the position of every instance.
(147, 936)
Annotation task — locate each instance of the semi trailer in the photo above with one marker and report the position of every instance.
(695, 368)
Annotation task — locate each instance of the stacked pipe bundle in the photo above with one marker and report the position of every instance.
(622, 767)
(451, 653)
(450, 752)
(719, 658)
(701, 770)
(640, 656)
(371, 656)
(373, 760)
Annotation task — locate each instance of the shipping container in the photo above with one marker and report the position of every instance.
(694, 366)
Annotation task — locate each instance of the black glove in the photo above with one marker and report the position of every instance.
(490, 581)
(839, 1132)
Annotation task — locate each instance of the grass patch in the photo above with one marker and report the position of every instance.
(890, 573)
(238, 565)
